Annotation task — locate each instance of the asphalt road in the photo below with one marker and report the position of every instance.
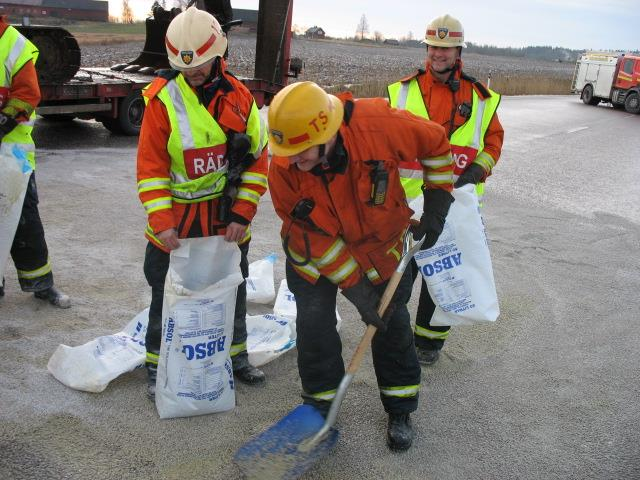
(550, 391)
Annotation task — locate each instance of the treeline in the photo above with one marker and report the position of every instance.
(557, 54)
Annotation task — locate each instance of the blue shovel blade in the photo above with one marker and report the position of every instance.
(274, 454)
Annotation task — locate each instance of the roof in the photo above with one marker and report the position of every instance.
(77, 4)
(250, 16)
(315, 29)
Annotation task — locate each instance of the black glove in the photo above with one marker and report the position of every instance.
(474, 174)
(7, 124)
(366, 300)
(436, 207)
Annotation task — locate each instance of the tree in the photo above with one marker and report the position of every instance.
(363, 27)
(127, 13)
(378, 36)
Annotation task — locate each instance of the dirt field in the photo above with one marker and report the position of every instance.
(335, 63)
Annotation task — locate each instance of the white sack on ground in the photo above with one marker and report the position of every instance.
(14, 178)
(458, 268)
(90, 367)
(195, 375)
(260, 288)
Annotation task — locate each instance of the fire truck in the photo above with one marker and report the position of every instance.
(608, 77)
(113, 95)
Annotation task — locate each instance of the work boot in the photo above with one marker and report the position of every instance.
(152, 375)
(427, 357)
(399, 432)
(54, 296)
(245, 372)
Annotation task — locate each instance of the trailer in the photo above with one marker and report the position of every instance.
(608, 77)
(112, 95)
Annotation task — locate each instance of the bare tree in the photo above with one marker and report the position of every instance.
(127, 13)
(378, 36)
(410, 35)
(363, 27)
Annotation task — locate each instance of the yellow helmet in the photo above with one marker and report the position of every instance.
(445, 31)
(302, 115)
(193, 38)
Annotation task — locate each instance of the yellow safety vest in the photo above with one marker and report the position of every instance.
(467, 142)
(15, 52)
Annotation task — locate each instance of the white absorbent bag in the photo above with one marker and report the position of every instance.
(260, 288)
(195, 374)
(90, 367)
(15, 171)
(457, 269)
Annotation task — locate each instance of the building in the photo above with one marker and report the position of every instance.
(94, 10)
(249, 20)
(314, 32)
(391, 41)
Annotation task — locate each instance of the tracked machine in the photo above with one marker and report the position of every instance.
(113, 95)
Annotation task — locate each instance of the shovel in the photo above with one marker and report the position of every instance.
(293, 445)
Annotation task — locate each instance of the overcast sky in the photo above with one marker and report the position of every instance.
(576, 24)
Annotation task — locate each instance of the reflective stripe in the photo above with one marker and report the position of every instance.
(308, 269)
(346, 269)
(372, 274)
(426, 333)
(485, 160)
(150, 184)
(186, 137)
(437, 162)
(152, 358)
(402, 392)
(411, 173)
(39, 272)
(10, 62)
(477, 133)
(402, 95)
(254, 178)
(439, 177)
(156, 204)
(248, 195)
(325, 396)
(394, 251)
(332, 253)
(149, 231)
(239, 348)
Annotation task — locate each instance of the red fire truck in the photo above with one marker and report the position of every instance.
(608, 77)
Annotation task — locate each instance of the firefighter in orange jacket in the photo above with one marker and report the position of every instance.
(334, 181)
(467, 111)
(19, 96)
(201, 124)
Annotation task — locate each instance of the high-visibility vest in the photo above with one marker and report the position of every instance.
(467, 142)
(15, 52)
(197, 144)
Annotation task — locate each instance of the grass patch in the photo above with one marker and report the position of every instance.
(512, 84)
(107, 28)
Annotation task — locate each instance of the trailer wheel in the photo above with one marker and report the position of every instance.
(587, 96)
(632, 102)
(130, 113)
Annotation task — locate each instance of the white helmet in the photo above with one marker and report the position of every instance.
(193, 38)
(445, 31)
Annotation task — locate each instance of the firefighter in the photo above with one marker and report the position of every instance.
(195, 111)
(19, 96)
(466, 109)
(335, 184)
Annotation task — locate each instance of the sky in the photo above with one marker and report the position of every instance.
(575, 24)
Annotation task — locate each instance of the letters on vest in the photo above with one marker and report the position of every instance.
(198, 162)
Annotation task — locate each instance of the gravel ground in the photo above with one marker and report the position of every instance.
(332, 62)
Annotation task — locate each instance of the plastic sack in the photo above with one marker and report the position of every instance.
(457, 269)
(15, 171)
(195, 375)
(260, 287)
(268, 337)
(90, 367)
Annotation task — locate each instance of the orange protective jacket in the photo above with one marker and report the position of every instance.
(230, 106)
(440, 102)
(23, 95)
(346, 236)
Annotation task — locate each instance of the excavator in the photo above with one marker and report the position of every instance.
(112, 95)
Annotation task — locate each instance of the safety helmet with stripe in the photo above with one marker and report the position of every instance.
(302, 115)
(193, 38)
(445, 31)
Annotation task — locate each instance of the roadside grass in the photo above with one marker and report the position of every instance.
(513, 84)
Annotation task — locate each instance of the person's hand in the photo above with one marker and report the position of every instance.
(235, 232)
(436, 207)
(473, 174)
(169, 238)
(364, 297)
(7, 124)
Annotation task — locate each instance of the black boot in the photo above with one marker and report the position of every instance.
(399, 432)
(427, 357)
(54, 297)
(152, 375)
(245, 372)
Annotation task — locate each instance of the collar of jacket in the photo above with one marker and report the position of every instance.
(207, 91)
(336, 162)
